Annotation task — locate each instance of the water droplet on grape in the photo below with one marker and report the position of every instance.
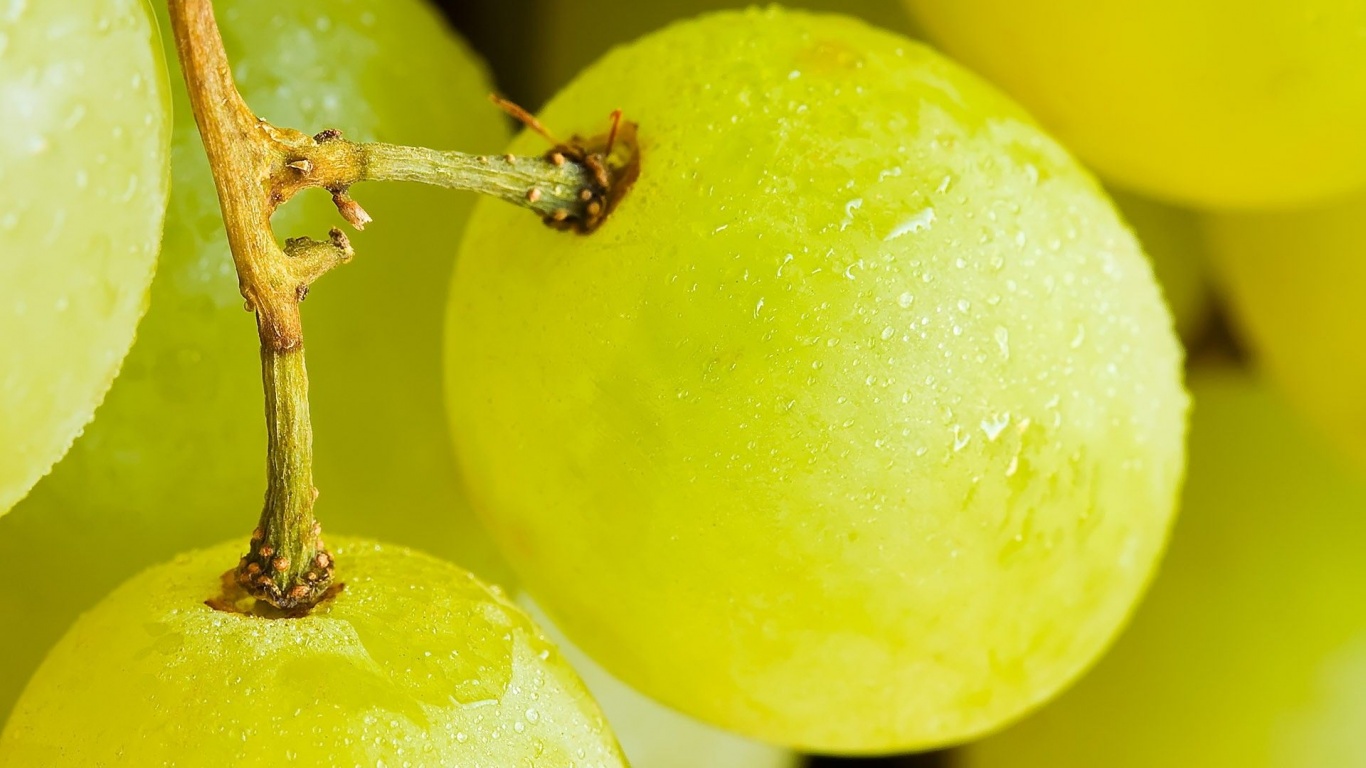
(961, 438)
(1080, 337)
(918, 222)
(1002, 340)
(994, 426)
(849, 208)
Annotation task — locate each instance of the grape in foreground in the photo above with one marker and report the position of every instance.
(1250, 652)
(1294, 282)
(174, 460)
(414, 663)
(84, 135)
(1214, 103)
(858, 425)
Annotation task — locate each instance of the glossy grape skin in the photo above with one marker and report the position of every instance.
(857, 427)
(1250, 651)
(84, 137)
(414, 663)
(1215, 103)
(1294, 281)
(652, 735)
(175, 458)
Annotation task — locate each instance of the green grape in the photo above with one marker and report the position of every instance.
(1175, 245)
(1250, 651)
(571, 34)
(84, 134)
(174, 460)
(652, 735)
(1217, 103)
(1293, 281)
(858, 425)
(414, 663)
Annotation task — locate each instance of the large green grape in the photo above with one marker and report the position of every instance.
(414, 663)
(1227, 103)
(84, 135)
(1250, 652)
(857, 427)
(174, 460)
(1294, 281)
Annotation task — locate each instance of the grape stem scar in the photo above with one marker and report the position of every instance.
(257, 167)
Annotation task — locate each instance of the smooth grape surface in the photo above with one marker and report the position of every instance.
(175, 459)
(857, 427)
(84, 142)
(1218, 103)
(414, 663)
(1294, 282)
(1250, 651)
(652, 735)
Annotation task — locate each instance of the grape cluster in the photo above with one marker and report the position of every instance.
(855, 424)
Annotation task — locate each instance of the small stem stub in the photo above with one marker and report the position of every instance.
(612, 160)
(610, 163)
(267, 575)
(287, 564)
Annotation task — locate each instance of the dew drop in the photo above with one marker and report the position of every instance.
(960, 438)
(994, 426)
(1003, 341)
(919, 222)
(1080, 337)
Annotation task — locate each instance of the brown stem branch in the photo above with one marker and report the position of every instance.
(256, 168)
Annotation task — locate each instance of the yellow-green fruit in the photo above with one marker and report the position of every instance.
(858, 425)
(573, 33)
(175, 459)
(1250, 651)
(1295, 284)
(414, 663)
(84, 141)
(1175, 245)
(1221, 103)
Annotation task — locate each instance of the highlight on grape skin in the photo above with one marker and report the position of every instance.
(839, 411)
